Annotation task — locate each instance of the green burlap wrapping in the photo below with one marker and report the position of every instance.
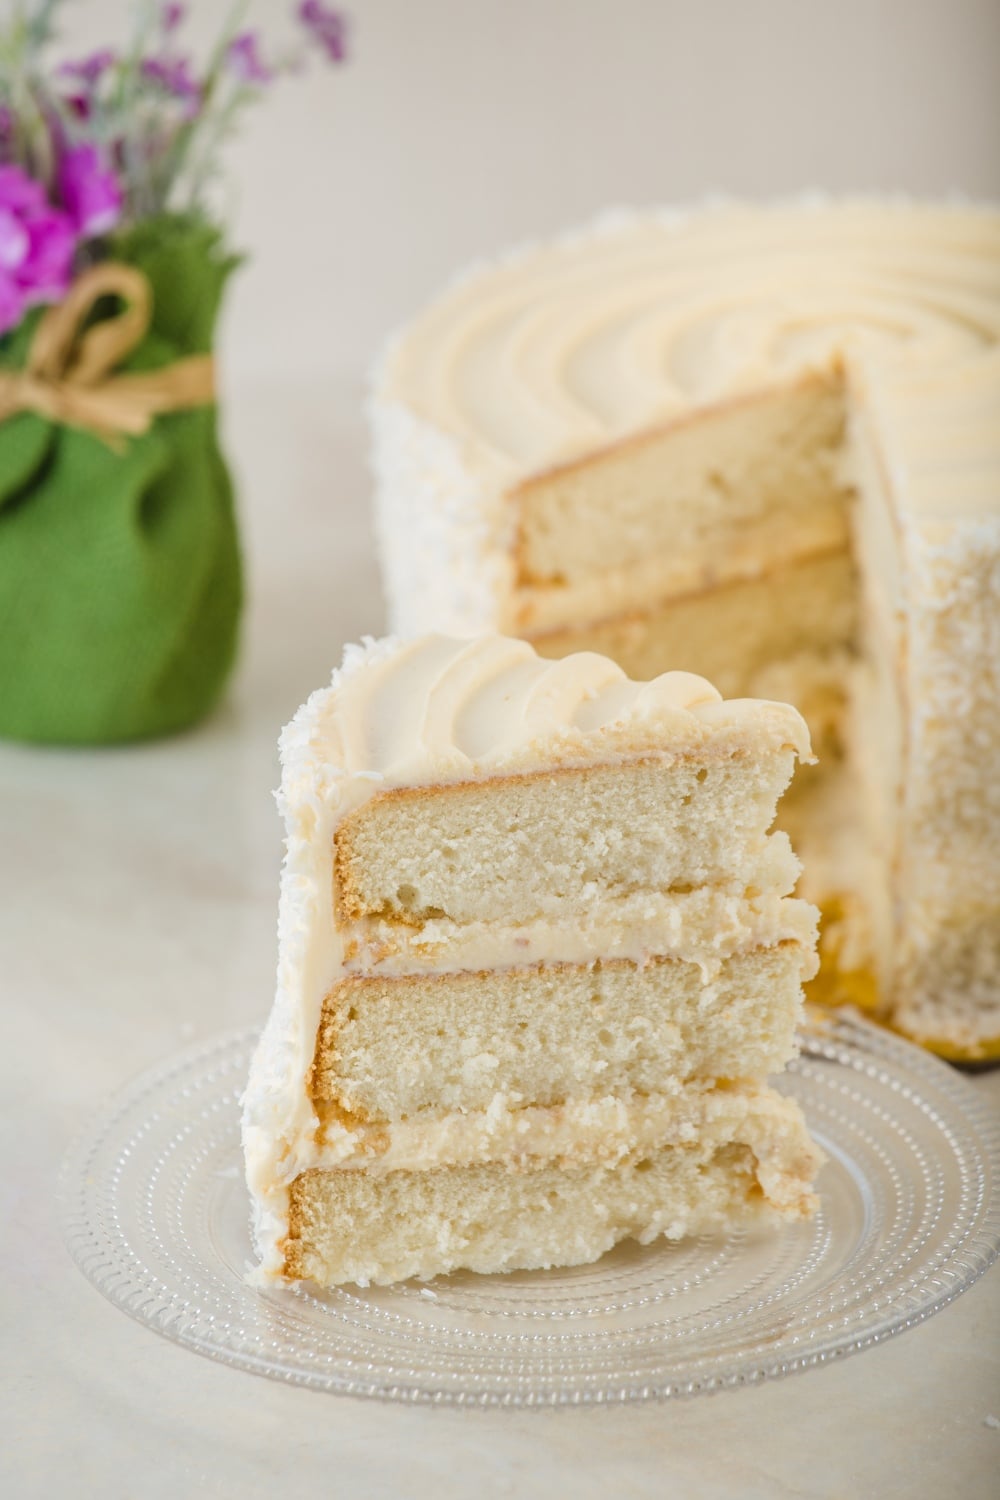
(120, 578)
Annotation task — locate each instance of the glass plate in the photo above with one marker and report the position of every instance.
(156, 1213)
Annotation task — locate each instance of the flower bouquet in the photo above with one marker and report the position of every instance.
(120, 578)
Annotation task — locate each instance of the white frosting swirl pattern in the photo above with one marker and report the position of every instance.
(567, 348)
(563, 350)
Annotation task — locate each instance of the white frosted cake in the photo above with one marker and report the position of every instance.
(763, 444)
(538, 958)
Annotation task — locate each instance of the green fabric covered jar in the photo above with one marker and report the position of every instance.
(120, 575)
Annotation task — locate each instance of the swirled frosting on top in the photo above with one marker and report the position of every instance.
(564, 349)
(440, 709)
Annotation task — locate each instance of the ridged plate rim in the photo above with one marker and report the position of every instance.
(106, 1252)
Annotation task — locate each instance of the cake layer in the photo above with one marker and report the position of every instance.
(750, 1160)
(392, 1049)
(511, 849)
(693, 488)
(770, 545)
(581, 1130)
(786, 634)
(352, 1227)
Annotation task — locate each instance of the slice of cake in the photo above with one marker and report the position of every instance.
(763, 442)
(538, 956)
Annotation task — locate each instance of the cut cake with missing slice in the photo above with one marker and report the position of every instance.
(764, 440)
(538, 956)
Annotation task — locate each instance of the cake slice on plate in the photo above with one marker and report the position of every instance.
(538, 957)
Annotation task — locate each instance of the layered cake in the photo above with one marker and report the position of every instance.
(538, 958)
(761, 443)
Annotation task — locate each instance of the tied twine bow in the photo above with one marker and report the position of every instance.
(69, 377)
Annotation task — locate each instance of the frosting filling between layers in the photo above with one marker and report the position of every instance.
(596, 1130)
(703, 926)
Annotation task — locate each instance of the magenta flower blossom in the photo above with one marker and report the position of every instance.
(245, 61)
(89, 190)
(90, 70)
(86, 74)
(171, 17)
(174, 76)
(327, 27)
(37, 244)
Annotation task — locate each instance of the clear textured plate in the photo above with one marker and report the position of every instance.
(156, 1213)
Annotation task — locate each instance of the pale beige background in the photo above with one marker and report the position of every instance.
(137, 887)
(463, 125)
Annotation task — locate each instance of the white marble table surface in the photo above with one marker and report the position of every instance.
(137, 906)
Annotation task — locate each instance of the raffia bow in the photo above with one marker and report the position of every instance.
(69, 373)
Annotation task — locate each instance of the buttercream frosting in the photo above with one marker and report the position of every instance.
(434, 711)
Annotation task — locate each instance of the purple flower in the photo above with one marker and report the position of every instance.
(244, 59)
(86, 73)
(13, 240)
(45, 269)
(328, 27)
(37, 243)
(78, 105)
(19, 192)
(171, 17)
(89, 190)
(90, 69)
(174, 76)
